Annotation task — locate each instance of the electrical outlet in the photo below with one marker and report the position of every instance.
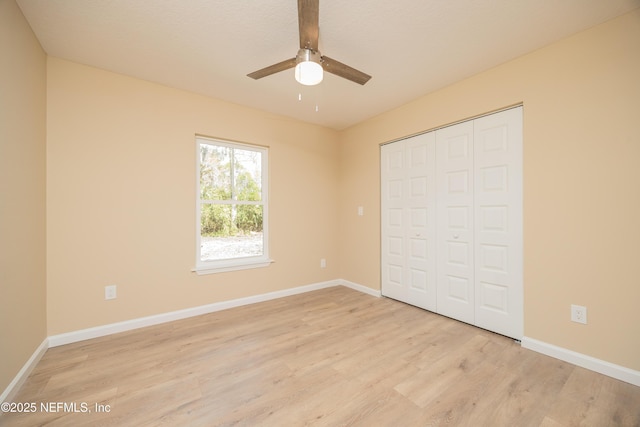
(578, 314)
(110, 292)
(323, 263)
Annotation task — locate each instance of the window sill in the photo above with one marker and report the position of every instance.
(232, 266)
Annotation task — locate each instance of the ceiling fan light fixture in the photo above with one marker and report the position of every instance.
(308, 71)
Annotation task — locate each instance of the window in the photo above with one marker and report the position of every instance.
(232, 209)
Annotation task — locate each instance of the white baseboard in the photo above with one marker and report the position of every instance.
(603, 367)
(9, 393)
(360, 288)
(127, 325)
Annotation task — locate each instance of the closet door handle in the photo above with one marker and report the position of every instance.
(455, 236)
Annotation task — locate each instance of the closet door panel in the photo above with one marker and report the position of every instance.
(420, 152)
(455, 263)
(393, 222)
(498, 228)
(408, 221)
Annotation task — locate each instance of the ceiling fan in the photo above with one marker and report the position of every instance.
(309, 63)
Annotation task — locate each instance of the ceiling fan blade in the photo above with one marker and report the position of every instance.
(339, 69)
(308, 15)
(272, 69)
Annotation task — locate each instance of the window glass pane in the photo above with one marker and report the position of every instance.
(231, 231)
(247, 175)
(215, 220)
(248, 219)
(215, 172)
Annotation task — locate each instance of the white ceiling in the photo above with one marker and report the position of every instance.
(410, 47)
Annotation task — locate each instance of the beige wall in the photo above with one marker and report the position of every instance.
(121, 198)
(22, 192)
(581, 100)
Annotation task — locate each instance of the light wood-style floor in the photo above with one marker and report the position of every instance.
(333, 357)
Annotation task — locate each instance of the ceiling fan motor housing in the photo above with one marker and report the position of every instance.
(308, 55)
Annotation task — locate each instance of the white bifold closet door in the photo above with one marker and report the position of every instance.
(451, 221)
(408, 221)
(455, 272)
(498, 243)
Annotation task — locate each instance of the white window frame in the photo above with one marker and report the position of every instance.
(241, 263)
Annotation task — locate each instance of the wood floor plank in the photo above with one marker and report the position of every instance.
(331, 357)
